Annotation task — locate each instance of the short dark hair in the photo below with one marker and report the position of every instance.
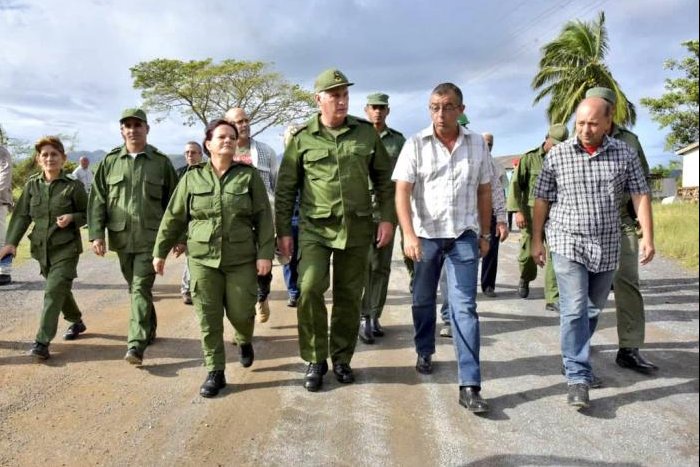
(54, 141)
(194, 143)
(445, 88)
(209, 131)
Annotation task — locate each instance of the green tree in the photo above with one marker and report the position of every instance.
(573, 63)
(678, 108)
(200, 90)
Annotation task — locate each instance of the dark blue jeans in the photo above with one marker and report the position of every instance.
(461, 260)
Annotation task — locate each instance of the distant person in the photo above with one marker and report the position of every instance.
(223, 209)
(629, 305)
(83, 173)
(521, 200)
(193, 156)
(374, 294)
(5, 206)
(441, 216)
(262, 157)
(131, 190)
(578, 194)
(330, 163)
(499, 226)
(56, 205)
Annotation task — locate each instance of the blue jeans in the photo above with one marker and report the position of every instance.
(582, 296)
(461, 260)
(291, 275)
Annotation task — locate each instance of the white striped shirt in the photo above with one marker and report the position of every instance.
(443, 201)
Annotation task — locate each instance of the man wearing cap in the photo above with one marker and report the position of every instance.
(629, 305)
(521, 199)
(578, 194)
(130, 192)
(374, 295)
(330, 162)
(263, 158)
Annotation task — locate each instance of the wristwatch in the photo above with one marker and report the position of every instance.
(486, 237)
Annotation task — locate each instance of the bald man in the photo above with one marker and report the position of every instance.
(262, 157)
(83, 173)
(578, 192)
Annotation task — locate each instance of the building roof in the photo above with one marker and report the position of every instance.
(687, 149)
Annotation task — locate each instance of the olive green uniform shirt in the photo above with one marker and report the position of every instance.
(627, 215)
(332, 171)
(521, 194)
(393, 142)
(128, 198)
(228, 221)
(42, 203)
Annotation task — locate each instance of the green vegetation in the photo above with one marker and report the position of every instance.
(676, 232)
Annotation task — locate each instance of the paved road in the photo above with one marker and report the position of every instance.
(88, 407)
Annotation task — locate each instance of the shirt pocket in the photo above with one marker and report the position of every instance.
(115, 187)
(153, 200)
(237, 199)
(199, 236)
(201, 199)
(318, 165)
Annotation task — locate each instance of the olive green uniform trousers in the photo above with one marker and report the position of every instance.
(58, 298)
(377, 284)
(349, 268)
(528, 268)
(231, 290)
(629, 304)
(137, 269)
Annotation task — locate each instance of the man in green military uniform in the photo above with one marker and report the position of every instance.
(374, 295)
(629, 304)
(130, 192)
(521, 201)
(330, 162)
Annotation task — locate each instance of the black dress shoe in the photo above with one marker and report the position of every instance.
(523, 288)
(424, 364)
(247, 355)
(490, 292)
(377, 328)
(213, 384)
(39, 351)
(134, 356)
(343, 373)
(470, 398)
(578, 396)
(5, 279)
(313, 380)
(632, 359)
(365, 331)
(74, 330)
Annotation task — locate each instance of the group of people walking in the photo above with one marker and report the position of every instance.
(342, 186)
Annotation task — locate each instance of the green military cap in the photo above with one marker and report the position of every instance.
(378, 98)
(134, 113)
(329, 79)
(605, 93)
(462, 119)
(558, 132)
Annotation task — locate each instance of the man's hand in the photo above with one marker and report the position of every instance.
(98, 247)
(179, 249)
(484, 247)
(520, 220)
(411, 247)
(502, 231)
(64, 220)
(159, 265)
(538, 253)
(264, 266)
(385, 232)
(286, 245)
(8, 250)
(646, 251)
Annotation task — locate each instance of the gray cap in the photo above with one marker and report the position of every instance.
(604, 93)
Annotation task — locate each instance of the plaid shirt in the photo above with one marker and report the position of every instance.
(584, 193)
(443, 202)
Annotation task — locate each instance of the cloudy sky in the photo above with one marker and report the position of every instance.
(64, 65)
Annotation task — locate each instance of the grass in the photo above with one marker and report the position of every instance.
(676, 232)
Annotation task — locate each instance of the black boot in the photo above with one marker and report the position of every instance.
(247, 355)
(214, 382)
(629, 357)
(313, 380)
(377, 328)
(365, 332)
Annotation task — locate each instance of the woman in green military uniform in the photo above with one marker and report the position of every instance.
(223, 209)
(57, 205)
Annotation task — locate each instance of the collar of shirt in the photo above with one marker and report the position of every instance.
(146, 152)
(429, 132)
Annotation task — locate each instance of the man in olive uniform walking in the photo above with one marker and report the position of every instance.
(521, 201)
(129, 194)
(330, 162)
(629, 304)
(374, 295)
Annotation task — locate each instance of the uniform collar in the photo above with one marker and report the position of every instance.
(315, 124)
(147, 151)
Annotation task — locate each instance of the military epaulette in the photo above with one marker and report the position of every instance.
(362, 120)
(297, 129)
(155, 150)
(391, 130)
(114, 150)
(70, 176)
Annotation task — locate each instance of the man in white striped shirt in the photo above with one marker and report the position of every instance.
(443, 201)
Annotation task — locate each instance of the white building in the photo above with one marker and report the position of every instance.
(690, 165)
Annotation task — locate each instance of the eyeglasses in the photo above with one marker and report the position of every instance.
(445, 108)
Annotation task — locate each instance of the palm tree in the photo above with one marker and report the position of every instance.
(573, 63)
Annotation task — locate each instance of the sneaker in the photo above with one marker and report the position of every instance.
(39, 351)
(424, 364)
(578, 396)
(187, 298)
(215, 381)
(134, 356)
(74, 330)
(247, 355)
(446, 330)
(292, 302)
(262, 309)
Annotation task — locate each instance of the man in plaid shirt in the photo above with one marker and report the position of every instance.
(580, 187)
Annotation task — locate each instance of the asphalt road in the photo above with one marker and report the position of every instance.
(86, 406)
